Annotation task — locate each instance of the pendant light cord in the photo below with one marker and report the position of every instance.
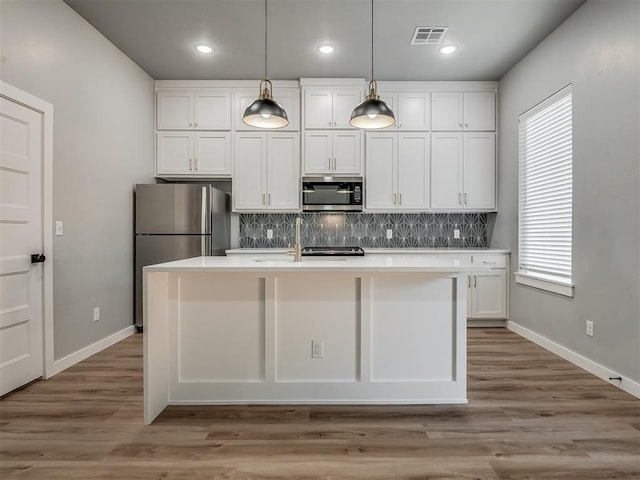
(371, 39)
(265, 39)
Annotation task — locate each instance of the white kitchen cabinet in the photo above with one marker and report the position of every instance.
(463, 171)
(266, 171)
(333, 152)
(181, 153)
(411, 109)
(330, 107)
(487, 295)
(287, 98)
(193, 109)
(397, 171)
(468, 111)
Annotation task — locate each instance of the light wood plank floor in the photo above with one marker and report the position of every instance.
(531, 415)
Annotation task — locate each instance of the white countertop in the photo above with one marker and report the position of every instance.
(376, 251)
(267, 263)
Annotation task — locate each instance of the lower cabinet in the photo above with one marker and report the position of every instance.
(181, 153)
(266, 171)
(487, 295)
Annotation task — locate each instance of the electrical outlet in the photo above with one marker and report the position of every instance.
(389, 234)
(589, 328)
(96, 314)
(269, 233)
(317, 348)
(456, 233)
(59, 228)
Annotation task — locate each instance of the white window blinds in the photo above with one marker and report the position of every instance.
(546, 185)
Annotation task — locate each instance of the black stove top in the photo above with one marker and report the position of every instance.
(332, 251)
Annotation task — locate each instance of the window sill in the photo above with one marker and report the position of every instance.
(543, 283)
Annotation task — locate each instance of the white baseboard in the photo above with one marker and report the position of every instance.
(86, 352)
(590, 366)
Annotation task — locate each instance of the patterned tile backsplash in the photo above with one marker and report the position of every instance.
(419, 230)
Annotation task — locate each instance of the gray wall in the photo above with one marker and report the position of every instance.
(103, 145)
(596, 50)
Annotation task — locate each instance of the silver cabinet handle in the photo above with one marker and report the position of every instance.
(466, 125)
(395, 198)
(469, 281)
(329, 123)
(460, 125)
(489, 263)
(190, 124)
(459, 198)
(335, 163)
(191, 164)
(195, 124)
(195, 164)
(400, 198)
(335, 124)
(263, 198)
(329, 163)
(465, 198)
(269, 196)
(475, 281)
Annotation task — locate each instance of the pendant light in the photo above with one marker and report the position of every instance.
(265, 111)
(373, 112)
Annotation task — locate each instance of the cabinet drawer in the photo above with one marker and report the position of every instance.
(493, 261)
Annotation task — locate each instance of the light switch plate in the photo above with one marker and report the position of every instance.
(456, 233)
(269, 233)
(389, 234)
(59, 228)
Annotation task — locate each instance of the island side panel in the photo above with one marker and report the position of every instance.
(156, 312)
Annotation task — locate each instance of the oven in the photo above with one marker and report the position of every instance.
(342, 194)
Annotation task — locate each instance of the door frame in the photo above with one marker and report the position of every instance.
(46, 109)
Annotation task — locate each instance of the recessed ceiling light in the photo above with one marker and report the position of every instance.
(448, 49)
(203, 48)
(326, 49)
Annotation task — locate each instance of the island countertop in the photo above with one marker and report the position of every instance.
(267, 263)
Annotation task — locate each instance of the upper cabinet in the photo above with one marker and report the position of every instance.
(287, 98)
(330, 107)
(193, 109)
(332, 152)
(468, 111)
(411, 109)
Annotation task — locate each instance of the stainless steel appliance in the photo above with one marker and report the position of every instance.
(343, 194)
(332, 252)
(177, 221)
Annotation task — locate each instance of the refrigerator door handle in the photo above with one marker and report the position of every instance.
(204, 209)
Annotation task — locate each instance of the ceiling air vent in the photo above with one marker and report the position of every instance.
(428, 35)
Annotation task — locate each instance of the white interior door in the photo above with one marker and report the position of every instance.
(21, 282)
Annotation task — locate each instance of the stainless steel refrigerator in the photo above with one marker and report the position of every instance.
(177, 221)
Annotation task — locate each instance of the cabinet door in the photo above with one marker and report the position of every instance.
(174, 109)
(446, 111)
(479, 171)
(446, 171)
(413, 171)
(249, 171)
(289, 99)
(344, 101)
(480, 111)
(318, 152)
(347, 152)
(489, 297)
(391, 99)
(381, 160)
(174, 153)
(283, 171)
(414, 111)
(212, 109)
(212, 155)
(318, 108)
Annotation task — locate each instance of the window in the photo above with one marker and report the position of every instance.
(546, 185)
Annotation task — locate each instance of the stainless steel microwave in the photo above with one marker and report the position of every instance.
(342, 194)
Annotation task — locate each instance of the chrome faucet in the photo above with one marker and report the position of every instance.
(296, 251)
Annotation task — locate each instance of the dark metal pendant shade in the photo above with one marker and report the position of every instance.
(373, 112)
(265, 111)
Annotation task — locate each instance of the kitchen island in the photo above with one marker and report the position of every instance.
(373, 329)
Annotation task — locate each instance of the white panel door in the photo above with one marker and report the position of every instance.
(283, 171)
(480, 111)
(174, 109)
(212, 154)
(414, 111)
(344, 101)
(489, 294)
(212, 107)
(174, 153)
(21, 283)
(413, 171)
(318, 108)
(347, 156)
(249, 171)
(446, 170)
(479, 171)
(446, 111)
(381, 160)
(318, 152)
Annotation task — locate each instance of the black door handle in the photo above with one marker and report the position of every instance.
(37, 258)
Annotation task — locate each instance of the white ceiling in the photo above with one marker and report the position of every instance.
(159, 35)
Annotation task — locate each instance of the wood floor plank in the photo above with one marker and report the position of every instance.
(531, 416)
